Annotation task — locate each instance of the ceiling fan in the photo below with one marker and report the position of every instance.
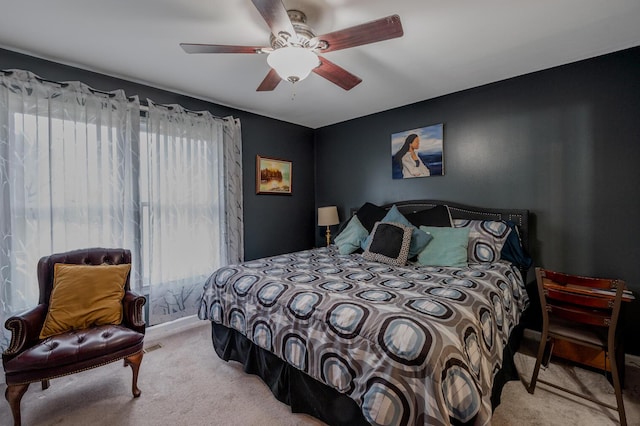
(295, 49)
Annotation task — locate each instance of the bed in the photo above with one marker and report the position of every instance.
(351, 340)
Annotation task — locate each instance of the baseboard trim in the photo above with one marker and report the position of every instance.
(159, 331)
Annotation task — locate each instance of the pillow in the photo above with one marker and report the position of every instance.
(419, 239)
(389, 243)
(435, 216)
(447, 248)
(83, 296)
(351, 237)
(486, 238)
(341, 227)
(369, 214)
(513, 251)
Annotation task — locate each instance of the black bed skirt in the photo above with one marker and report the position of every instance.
(306, 395)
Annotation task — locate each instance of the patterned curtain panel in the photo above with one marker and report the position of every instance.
(192, 213)
(67, 178)
(234, 226)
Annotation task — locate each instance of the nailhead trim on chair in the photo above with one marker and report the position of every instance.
(79, 371)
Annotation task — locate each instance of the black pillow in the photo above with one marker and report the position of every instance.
(435, 216)
(513, 251)
(389, 243)
(369, 214)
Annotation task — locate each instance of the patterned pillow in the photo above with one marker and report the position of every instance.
(389, 243)
(486, 238)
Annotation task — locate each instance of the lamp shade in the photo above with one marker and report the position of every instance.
(293, 63)
(328, 216)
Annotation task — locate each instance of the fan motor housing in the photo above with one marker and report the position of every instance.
(305, 35)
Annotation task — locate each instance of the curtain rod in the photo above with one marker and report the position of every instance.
(143, 105)
(63, 84)
(40, 79)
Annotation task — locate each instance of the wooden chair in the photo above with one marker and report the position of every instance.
(29, 359)
(583, 311)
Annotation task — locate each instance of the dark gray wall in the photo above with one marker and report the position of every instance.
(278, 223)
(272, 224)
(563, 143)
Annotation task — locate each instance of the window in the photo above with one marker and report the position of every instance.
(80, 168)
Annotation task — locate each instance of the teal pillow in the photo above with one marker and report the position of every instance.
(351, 237)
(447, 248)
(419, 239)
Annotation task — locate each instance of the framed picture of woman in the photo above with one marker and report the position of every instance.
(417, 152)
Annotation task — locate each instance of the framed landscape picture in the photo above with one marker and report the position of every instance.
(417, 153)
(273, 176)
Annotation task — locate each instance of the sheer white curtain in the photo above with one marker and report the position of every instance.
(191, 197)
(67, 178)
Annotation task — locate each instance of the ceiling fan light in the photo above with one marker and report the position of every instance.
(293, 63)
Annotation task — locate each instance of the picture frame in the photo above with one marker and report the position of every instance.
(273, 176)
(418, 152)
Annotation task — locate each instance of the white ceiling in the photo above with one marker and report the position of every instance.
(447, 46)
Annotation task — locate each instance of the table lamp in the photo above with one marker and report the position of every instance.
(328, 216)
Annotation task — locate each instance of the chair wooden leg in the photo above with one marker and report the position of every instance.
(14, 394)
(134, 361)
(617, 388)
(45, 384)
(544, 341)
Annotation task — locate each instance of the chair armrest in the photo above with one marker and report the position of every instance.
(132, 311)
(25, 330)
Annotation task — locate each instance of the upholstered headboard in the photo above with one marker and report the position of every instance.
(461, 211)
(520, 217)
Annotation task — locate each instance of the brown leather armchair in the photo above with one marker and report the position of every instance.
(29, 359)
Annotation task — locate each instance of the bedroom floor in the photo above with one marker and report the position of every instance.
(183, 382)
(548, 406)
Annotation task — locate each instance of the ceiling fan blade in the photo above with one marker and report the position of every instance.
(270, 81)
(370, 32)
(220, 48)
(275, 14)
(336, 74)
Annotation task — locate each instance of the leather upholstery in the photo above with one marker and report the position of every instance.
(26, 327)
(29, 359)
(72, 351)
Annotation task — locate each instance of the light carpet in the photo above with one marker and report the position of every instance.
(183, 382)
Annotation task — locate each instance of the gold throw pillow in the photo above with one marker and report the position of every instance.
(84, 296)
